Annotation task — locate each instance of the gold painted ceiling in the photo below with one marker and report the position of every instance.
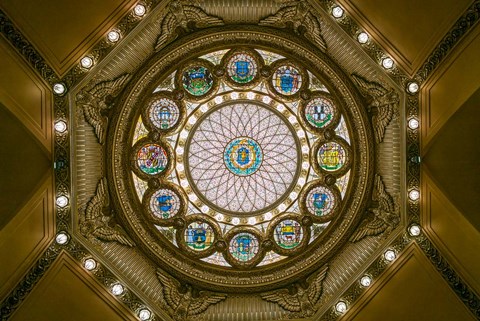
(117, 263)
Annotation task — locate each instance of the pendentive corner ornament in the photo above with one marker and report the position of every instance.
(300, 299)
(381, 105)
(183, 17)
(302, 18)
(184, 302)
(382, 217)
(97, 101)
(97, 222)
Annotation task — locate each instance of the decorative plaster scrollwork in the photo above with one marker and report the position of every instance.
(96, 223)
(97, 101)
(184, 302)
(302, 18)
(382, 104)
(304, 297)
(385, 217)
(181, 18)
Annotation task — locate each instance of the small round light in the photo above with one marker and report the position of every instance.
(252, 220)
(62, 201)
(218, 99)
(341, 307)
(59, 88)
(366, 281)
(86, 62)
(389, 255)
(268, 216)
(412, 87)
(144, 314)
(113, 36)
(235, 221)
(139, 10)
(414, 230)
(363, 37)
(219, 217)
(90, 264)
(117, 289)
(387, 63)
(60, 126)
(413, 123)
(250, 95)
(414, 195)
(61, 238)
(337, 12)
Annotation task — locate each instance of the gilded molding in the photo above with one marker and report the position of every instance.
(301, 298)
(302, 18)
(97, 221)
(183, 302)
(385, 214)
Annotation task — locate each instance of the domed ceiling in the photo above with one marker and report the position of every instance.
(225, 160)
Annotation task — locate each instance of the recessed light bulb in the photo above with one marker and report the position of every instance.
(362, 37)
(341, 307)
(414, 230)
(90, 264)
(139, 10)
(389, 255)
(337, 12)
(113, 36)
(366, 281)
(413, 123)
(86, 62)
(117, 289)
(413, 87)
(61, 238)
(387, 63)
(59, 88)
(144, 314)
(60, 126)
(62, 201)
(252, 220)
(235, 221)
(414, 195)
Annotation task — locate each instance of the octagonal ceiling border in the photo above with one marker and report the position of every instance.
(62, 148)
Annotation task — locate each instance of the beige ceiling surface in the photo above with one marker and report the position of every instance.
(408, 29)
(411, 289)
(68, 293)
(65, 30)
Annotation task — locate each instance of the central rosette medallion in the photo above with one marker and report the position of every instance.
(242, 157)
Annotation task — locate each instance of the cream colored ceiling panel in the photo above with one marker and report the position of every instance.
(450, 87)
(451, 232)
(67, 292)
(25, 95)
(26, 236)
(409, 30)
(411, 290)
(65, 30)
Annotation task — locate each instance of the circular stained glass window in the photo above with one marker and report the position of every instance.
(288, 234)
(287, 80)
(164, 203)
(152, 159)
(197, 80)
(242, 157)
(242, 68)
(331, 156)
(164, 113)
(243, 247)
(319, 112)
(199, 236)
(320, 201)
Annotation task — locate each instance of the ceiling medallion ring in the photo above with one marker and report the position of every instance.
(164, 204)
(197, 79)
(357, 124)
(246, 247)
(289, 233)
(163, 112)
(152, 158)
(321, 202)
(331, 155)
(229, 111)
(242, 68)
(288, 80)
(319, 113)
